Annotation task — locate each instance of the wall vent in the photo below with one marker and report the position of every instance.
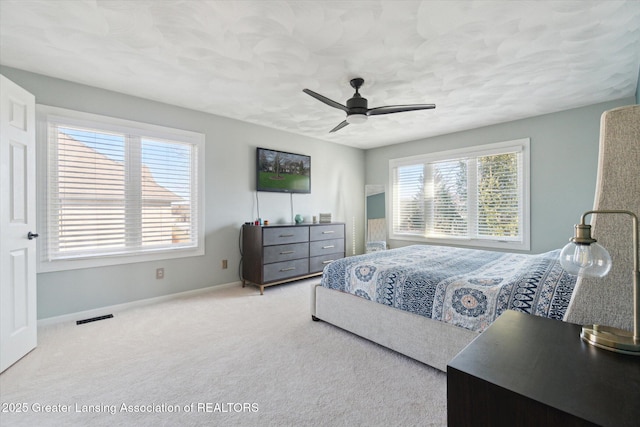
(94, 319)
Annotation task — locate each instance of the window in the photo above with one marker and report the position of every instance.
(476, 197)
(117, 191)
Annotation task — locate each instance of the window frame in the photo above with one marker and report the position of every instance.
(45, 114)
(520, 145)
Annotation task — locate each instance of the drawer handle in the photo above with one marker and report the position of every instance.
(286, 252)
(328, 262)
(287, 269)
(328, 232)
(329, 247)
(286, 235)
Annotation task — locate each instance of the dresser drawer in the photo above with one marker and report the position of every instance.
(323, 247)
(281, 235)
(284, 270)
(331, 231)
(279, 253)
(317, 263)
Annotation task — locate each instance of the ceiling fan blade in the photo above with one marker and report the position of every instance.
(340, 126)
(398, 109)
(326, 100)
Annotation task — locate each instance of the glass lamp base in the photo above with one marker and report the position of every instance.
(609, 338)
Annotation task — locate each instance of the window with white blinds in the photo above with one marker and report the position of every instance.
(118, 191)
(475, 197)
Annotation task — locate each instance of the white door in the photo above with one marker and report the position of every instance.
(18, 318)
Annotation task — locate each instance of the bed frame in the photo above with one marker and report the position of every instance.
(435, 343)
(426, 340)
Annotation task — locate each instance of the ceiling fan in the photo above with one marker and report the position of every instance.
(357, 110)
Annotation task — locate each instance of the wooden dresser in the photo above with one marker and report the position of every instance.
(281, 253)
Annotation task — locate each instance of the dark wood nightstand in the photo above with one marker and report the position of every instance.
(526, 370)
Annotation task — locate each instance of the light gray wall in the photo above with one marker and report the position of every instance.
(337, 186)
(564, 155)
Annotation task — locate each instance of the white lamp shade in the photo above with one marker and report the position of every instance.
(355, 119)
(585, 260)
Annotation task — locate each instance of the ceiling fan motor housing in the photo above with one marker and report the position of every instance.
(357, 105)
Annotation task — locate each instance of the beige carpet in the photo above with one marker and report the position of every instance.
(228, 357)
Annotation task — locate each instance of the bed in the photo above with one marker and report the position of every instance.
(430, 301)
(447, 321)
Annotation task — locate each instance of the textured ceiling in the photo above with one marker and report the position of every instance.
(480, 62)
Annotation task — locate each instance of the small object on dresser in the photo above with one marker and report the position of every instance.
(325, 218)
(299, 218)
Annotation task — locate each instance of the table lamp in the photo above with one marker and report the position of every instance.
(584, 257)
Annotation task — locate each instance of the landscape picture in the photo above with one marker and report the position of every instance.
(280, 171)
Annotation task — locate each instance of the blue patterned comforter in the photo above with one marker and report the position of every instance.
(465, 287)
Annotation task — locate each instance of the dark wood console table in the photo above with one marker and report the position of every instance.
(526, 370)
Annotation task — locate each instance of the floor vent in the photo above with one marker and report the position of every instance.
(93, 319)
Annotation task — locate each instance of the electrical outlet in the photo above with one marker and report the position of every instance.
(159, 273)
(224, 264)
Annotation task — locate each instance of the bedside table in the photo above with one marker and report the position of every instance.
(526, 370)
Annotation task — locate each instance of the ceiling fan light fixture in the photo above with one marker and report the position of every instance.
(356, 119)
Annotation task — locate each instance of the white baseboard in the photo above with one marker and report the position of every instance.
(101, 311)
